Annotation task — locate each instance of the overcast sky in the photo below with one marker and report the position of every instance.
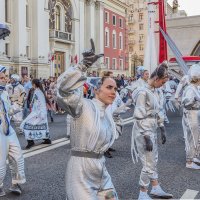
(192, 7)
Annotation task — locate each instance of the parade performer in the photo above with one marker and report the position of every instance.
(9, 145)
(184, 82)
(35, 126)
(92, 131)
(142, 80)
(17, 95)
(148, 116)
(191, 118)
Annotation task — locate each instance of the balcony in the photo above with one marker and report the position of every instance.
(131, 21)
(64, 36)
(131, 42)
(131, 31)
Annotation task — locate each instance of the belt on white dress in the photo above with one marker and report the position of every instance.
(86, 154)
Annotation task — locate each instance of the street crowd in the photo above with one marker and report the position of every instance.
(93, 106)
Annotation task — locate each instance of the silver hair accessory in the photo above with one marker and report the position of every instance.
(94, 82)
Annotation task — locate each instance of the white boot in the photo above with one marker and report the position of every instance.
(196, 160)
(158, 192)
(2, 192)
(192, 166)
(144, 196)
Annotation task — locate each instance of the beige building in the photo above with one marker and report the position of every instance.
(179, 26)
(47, 35)
(185, 31)
(137, 33)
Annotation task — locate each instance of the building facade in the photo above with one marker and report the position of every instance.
(48, 35)
(116, 37)
(137, 33)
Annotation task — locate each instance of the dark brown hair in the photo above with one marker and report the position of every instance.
(160, 72)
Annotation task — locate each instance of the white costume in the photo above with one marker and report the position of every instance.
(17, 95)
(35, 126)
(191, 116)
(9, 145)
(181, 86)
(93, 131)
(148, 117)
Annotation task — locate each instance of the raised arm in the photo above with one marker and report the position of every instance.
(69, 84)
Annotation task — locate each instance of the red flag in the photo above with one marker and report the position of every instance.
(72, 59)
(76, 59)
(52, 57)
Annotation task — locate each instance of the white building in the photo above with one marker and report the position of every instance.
(42, 28)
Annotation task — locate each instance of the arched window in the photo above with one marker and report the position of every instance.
(120, 41)
(107, 42)
(114, 41)
(57, 18)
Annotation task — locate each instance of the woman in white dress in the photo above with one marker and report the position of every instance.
(191, 118)
(35, 126)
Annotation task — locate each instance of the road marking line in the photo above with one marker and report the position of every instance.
(41, 146)
(48, 148)
(189, 194)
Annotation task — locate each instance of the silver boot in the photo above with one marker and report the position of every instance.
(2, 192)
(144, 196)
(16, 189)
(158, 192)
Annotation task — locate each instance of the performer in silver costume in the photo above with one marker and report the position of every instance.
(142, 81)
(92, 132)
(9, 145)
(17, 95)
(180, 88)
(148, 116)
(191, 118)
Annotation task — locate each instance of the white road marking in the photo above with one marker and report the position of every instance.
(45, 148)
(37, 147)
(189, 194)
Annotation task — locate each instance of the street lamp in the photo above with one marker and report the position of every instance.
(134, 60)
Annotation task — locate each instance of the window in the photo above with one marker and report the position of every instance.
(114, 20)
(114, 64)
(130, 17)
(121, 64)
(27, 16)
(141, 26)
(120, 22)
(120, 41)
(107, 38)
(106, 17)
(141, 16)
(57, 18)
(141, 47)
(7, 49)
(107, 62)
(141, 37)
(114, 42)
(7, 10)
(28, 51)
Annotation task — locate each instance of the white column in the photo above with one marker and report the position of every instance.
(40, 32)
(90, 22)
(2, 21)
(82, 27)
(19, 29)
(99, 27)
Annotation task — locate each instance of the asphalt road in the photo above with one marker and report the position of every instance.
(45, 172)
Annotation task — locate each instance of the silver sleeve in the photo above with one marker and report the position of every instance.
(69, 90)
